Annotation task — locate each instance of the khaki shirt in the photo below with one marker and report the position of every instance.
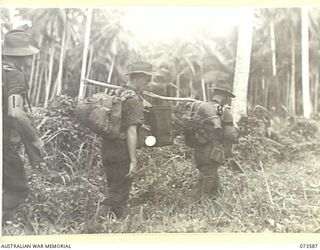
(132, 114)
(13, 83)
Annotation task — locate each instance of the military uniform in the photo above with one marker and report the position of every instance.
(15, 188)
(115, 154)
(211, 146)
(212, 141)
(15, 48)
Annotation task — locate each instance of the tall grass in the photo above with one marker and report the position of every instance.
(272, 193)
(160, 200)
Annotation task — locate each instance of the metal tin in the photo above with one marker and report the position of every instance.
(159, 118)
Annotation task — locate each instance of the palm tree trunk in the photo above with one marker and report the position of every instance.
(192, 90)
(292, 103)
(178, 85)
(60, 71)
(32, 72)
(288, 89)
(54, 90)
(204, 90)
(275, 90)
(316, 84)
(256, 93)
(316, 90)
(111, 68)
(242, 70)
(36, 80)
(57, 87)
(48, 85)
(305, 62)
(39, 86)
(263, 89)
(273, 48)
(85, 53)
(266, 96)
(35, 84)
(250, 96)
(91, 89)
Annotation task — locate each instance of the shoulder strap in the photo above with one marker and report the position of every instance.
(4, 77)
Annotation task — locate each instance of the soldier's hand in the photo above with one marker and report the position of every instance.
(132, 169)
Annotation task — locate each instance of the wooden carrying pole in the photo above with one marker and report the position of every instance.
(101, 84)
(111, 86)
(167, 98)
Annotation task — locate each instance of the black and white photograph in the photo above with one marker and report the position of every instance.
(166, 119)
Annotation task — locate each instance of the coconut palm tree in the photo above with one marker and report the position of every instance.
(241, 77)
(305, 62)
(112, 47)
(55, 28)
(314, 57)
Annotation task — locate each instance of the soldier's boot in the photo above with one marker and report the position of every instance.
(114, 208)
(105, 211)
(210, 186)
(211, 182)
(120, 211)
(197, 192)
(11, 201)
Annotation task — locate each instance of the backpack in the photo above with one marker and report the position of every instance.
(202, 123)
(102, 113)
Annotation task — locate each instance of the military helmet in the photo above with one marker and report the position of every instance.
(223, 85)
(18, 43)
(140, 67)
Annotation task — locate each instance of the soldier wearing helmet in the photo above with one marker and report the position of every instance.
(213, 141)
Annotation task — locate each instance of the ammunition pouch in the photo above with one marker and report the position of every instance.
(217, 153)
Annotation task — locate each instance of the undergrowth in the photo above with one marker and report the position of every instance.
(277, 191)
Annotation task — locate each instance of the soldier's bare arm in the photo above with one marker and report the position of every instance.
(132, 139)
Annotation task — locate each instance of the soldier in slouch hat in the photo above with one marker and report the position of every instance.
(16, 51)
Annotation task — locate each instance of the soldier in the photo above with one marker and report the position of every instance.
(17, 126)
(119, 155)
(212, 142)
